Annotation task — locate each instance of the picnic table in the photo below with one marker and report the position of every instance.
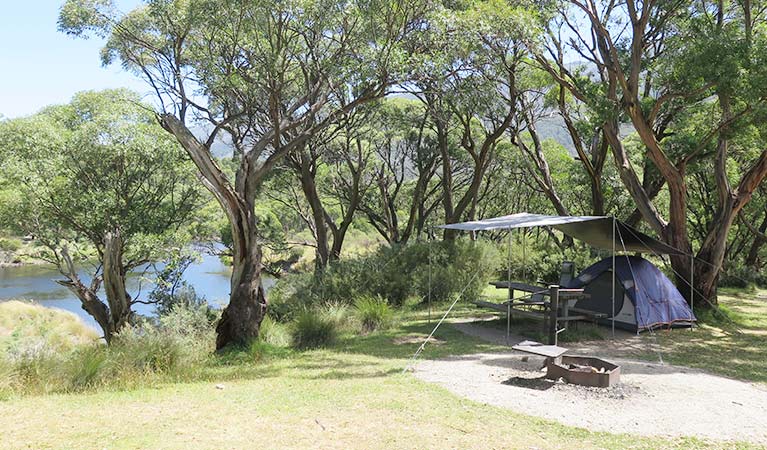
(537, 304)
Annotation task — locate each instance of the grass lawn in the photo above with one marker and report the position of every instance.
(351, 396)
(735, 346)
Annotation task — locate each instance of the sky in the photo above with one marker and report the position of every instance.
(40, 66)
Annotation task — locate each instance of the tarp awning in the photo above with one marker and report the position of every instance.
(593, 230)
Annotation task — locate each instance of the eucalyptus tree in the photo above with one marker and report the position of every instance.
(267, 74)
(99, 183)
(403, 168)
(533, 87)
(331, 169)
(756, 223)
(688, 78)
(467, 80)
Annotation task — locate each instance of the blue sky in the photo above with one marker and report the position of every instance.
(40, 66)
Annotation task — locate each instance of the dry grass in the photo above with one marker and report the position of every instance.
(24, 321)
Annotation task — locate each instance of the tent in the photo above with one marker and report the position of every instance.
(646, 290)
(644, 297)
(601, 232)
(596, 231)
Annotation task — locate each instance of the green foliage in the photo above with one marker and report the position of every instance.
(170, 288)
(457, 268)
(98, 167)
(85, 367)
(192, 325)
(10, 244)
(339, 313)
(145, 350)
(742, 277)
(541, 261)
(97, 164)
(374, 313)
(313, 329)
(393, 273)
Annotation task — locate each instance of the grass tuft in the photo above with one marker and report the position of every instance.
(374, 313)
(313, 329)
(274, 333)
(27, 327)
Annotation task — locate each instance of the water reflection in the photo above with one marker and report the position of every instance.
(209, 276)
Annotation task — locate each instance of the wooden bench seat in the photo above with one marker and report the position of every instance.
(591, 314)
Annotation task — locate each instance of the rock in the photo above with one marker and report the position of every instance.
(220, 387)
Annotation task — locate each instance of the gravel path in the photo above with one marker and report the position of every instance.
(652, 399)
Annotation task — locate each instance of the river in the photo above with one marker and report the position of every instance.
(209, 277)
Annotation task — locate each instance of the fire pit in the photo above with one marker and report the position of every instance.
(583, 370)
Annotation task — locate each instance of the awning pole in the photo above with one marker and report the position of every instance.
(692, 288)
(509, 295)
(613, 306)
(524, 255)
(429, 299)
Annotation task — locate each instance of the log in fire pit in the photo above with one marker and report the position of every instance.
(581, 370)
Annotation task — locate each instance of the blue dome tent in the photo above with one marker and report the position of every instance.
(644, 297)
(606, 233)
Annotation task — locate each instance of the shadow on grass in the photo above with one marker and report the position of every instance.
(446, 341)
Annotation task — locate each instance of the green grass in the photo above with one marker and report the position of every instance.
(351, 395)
(735, 346)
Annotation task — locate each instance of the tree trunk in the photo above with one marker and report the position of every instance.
(91, 304)
(752, 259)
(116, 313)
(114, 280)
(447, 177)
(241, 319)
(309, 187)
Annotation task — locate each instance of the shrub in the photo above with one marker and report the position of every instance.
(394, 273)
(373, 312)
(184, 295)
(85, 366)
(274, 333)
(144, 349)
(10, 245)
(190, 323)
(312, 329)
(743, 277)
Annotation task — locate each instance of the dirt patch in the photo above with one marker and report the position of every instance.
(651, 400)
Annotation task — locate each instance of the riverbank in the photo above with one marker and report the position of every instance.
(18, 251)
(37, 282)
